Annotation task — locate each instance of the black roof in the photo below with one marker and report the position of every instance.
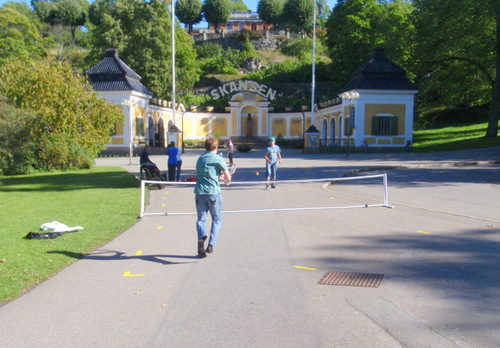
(379, 73)
(112, 74)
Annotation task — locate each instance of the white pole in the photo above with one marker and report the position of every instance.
(143, 193)
(173, 61)
(131, 132)
(386, 193)
(313, 92)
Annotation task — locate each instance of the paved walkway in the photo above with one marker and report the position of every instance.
(438, 250)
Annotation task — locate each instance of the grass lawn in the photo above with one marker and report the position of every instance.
(453, 138)
(104, 200)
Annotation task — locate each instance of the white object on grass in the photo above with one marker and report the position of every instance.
(56, 226)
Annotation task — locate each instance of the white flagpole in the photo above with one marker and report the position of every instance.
(173, 61)
(313, 92)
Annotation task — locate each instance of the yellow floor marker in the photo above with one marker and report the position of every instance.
(127, 274)
(139, 252)
(306, 268)
(163, 205)
(331, 198)
(423, 232)
(159, 227)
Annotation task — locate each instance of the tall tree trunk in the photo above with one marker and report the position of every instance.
(492, 130)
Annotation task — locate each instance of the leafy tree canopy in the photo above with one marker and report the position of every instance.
(19, 37)
(356, 27)
(73, 123)
(299, 14)
(189, 12)
(239, 6)
(271, 11)
(141, 31)
(71, 13)
(217, 12)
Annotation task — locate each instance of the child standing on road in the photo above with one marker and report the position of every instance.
(272, 156)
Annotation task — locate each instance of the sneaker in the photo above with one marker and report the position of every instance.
(267, 186)
(201, 249)
(210, 249)
(272, 186)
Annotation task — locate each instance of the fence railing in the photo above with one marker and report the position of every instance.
(211, 34)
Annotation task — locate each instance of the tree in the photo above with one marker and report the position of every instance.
(459, 42)
(46, 10)
(73, 13)
(20, 7)
(16, 147)
(356, 27)
(217, 12)
(141, 31)
(70, 13)
(189, 12)
(239, 6)
(298, 14)
(19, 37)
(271, 11)
(73, 123)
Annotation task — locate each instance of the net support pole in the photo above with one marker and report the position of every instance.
(386, 192)
(143, 193)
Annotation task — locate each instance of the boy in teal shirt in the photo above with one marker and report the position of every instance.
(209, 169)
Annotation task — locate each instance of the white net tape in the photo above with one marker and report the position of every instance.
(384, 200)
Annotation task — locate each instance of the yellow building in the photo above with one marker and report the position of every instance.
(375, 107)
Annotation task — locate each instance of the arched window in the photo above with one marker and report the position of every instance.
(341, 121)
(151, 131)
(332, 131)
(324, 133)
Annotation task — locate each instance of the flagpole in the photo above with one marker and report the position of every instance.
(313, 84)
(173, 61)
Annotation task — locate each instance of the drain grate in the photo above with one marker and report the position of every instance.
(352, 279)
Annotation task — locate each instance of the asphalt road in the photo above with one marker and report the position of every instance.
(438, 250)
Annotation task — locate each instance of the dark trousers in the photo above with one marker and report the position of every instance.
(171, 172)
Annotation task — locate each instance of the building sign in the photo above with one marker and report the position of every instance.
(243, 85)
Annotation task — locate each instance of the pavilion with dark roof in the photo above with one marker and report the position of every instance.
(375, 107)
(146, 117)
(379, 73)
(112, 74)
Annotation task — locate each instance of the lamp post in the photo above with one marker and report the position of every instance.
(182, 121)
(303, 132)
(129, 105)
(350, 97)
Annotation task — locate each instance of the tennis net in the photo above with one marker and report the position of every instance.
(365, 191)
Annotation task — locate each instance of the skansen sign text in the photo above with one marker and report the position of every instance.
(243, 85)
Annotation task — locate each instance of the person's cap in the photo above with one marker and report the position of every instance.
(272, 139)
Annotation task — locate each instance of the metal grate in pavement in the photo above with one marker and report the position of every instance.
(351, 279)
